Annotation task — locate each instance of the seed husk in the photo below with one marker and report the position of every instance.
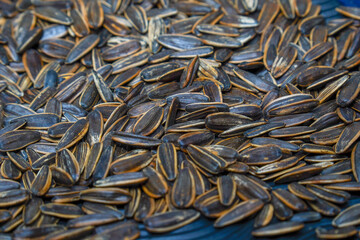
(106, 195)
(212, 207)
(183, 191)
(348, 92)
(348, 186)
(355, 162)
(347, 137)
(91, 220)
(261, 141)
(309, 216)
(261, 155)
(10, 140)
(156, 185)
(325, 233)
(283, 61)
(299, 174)
(13, 197)
(301, 191)
(128, 229)
(327, 194)
(70, 233)
(37, 232)
(165, 222)
(281, 211)
(290, 200)
(135, 139)
(206, 160)
(324, 207)
(348, 217)
(146, 208)
(254, 81)
(83, 47)
(73, 134)
(67, 211)
(53, 15)
(257, 131)
(264, 216)
(277, 229)
(227, 190)
(167, 159)
(42, 181)
(122, 180)
(279, 165)
(131, 162)
(348, 11)
(239, 212)
(249, 189)
(326, 179)
(91, 208)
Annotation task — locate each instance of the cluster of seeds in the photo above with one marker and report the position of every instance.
(119, 112)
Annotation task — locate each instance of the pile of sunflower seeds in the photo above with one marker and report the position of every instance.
(119, 112)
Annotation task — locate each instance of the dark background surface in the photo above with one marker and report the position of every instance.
(203, 227)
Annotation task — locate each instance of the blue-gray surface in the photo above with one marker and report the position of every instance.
(203, 227)
(355, 3)
(328, 6)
